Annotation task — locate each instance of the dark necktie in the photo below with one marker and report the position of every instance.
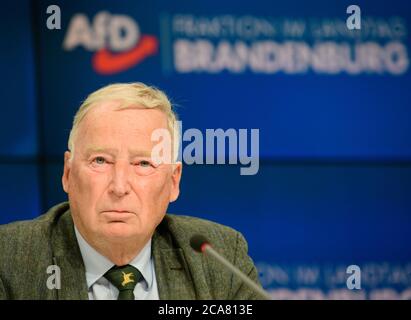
(124, 278)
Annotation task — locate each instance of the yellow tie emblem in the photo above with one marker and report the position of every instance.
(126, 278)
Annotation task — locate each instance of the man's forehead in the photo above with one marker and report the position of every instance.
(136, 151)
(111, 130)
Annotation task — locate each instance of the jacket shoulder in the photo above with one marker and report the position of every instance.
(26, 246)
(220, 283)
(27, 231)
(184, 227)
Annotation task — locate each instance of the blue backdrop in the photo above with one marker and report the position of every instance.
(332, 106)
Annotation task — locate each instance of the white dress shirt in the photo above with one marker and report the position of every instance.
(96, 265)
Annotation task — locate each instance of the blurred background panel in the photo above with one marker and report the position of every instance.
(331, 105)
(18, 120)
(20, 193)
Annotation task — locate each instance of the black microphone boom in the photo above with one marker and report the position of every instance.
(200, 244)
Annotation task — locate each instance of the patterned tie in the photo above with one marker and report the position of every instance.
(124, 279)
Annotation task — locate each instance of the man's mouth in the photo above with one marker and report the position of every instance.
(117, 215)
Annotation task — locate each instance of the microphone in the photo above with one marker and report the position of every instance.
(200, 244)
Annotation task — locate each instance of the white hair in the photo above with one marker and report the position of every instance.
(138, 95)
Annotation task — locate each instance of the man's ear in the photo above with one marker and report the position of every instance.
(65, 179)
(176, 177)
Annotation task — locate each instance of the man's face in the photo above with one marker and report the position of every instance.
(116, 192)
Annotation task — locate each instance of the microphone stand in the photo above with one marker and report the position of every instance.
(209, 250)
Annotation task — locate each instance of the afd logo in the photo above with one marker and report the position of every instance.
(115, 39)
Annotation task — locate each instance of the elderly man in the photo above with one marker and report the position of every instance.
(113, 238)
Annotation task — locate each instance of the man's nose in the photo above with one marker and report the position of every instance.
(120, 182)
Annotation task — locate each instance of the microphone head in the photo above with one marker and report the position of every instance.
(197, 241)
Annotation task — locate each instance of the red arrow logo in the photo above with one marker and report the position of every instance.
(105, 62)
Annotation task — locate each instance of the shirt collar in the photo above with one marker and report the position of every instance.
(97, 265)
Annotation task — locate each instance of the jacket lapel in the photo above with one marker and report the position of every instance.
(67, 256)
(173, 277)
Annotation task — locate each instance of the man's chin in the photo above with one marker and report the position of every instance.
(119, 230)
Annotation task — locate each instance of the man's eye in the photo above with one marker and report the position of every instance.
(100, 160)
(144, 163)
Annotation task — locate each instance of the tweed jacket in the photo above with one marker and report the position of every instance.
(28, 248)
